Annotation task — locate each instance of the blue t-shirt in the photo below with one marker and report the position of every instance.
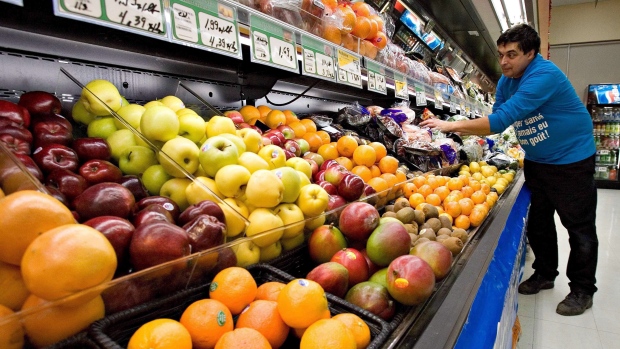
(552, 124)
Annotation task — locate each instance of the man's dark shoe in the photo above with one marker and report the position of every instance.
(534, 284)
(574, 304)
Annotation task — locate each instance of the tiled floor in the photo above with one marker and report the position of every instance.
(598, 327)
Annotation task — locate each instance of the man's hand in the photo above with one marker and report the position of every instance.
(478, 126)
(436, 124)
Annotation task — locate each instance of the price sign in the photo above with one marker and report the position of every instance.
(376, 77)
(208, 24)
(272, 44)
(145, 17)
(349, 68)
(438, 99)
(462, 108)
(318, 58)
(452, 105)
(401, 89)
(420, 95)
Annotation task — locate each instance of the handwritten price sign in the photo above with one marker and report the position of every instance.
(401, 89)
(376, 77)
(318, 59)
(272, 44)
(349, 68)
(88, 8)
(139, 14)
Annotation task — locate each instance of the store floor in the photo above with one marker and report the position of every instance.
(598, 327)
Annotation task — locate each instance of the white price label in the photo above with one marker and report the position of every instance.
(342, 75)
(325, 65)
(354, 79)
(218, 33)
(420, 98)
(309, 61)
(283, 53)
(140, 14)
(400, 89)
(261, 46)
(380, 81)
(452, 107)
(371, 81)
(185, 23)
(90, 8)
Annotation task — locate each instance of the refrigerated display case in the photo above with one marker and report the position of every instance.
(603, 103)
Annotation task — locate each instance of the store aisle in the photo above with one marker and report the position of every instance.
(598, 327)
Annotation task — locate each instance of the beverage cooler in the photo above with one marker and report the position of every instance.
(604, 107)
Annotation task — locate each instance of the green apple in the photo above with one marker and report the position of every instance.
(220, 124)
(313, 200)
(301, 165)
(200, 172)
(217, 152)
(134, 160)
(101, 127)
(191, 126)
(253, 162)
(270, 252)
(252, 139)
(202, 188)
(235, 139)
(175, 189)
(80, 114)
(173, 102)
(182, 153)
(159, 123)
(132, 114)
(247, 253)
(312, 223)
(236, 214)
(291, 243)
(154, 104)
(304, 146)
(303, 179)
(264, 189)
(154, 177)
(291, 181)
(265, 227)
(274, 156)
(231, 180)
(119, 141)
(293, 219)
(98, 91)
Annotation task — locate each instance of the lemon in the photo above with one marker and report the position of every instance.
(474, 167)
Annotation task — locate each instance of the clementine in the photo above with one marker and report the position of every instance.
(357, 326)
(234, 287)
(207, 320)
(161, 334)
(263, 316)
(246, 338)
(328, 333)
(302, 302)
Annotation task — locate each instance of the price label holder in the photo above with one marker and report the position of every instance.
(376, 77)
(272, 44)
(452, 105)
(208, 24)
(401, 86)
(14, 2)
(349, 68)
(420, 95)
(144, 17)
(468, 110)
(462, 110)
(438, 99)
(317, 58)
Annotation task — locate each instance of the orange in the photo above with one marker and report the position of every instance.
(462, 222)
(298, 128)
(275, 118)
(313, 140)
(485, 188)
(299, 332)
(363, 172)
(13, 291)
(416, 199)
(302, 302)
(332, 33)
(362, 28)
(263, 316)
(361, 9)
(419, 181)
(347, 146)
(309, 124)
(474, 184)
(374, 29)
(477, 216)
(328, 333)
(269, 291)
(453, 208)
(207, 320)
(442, 191)
(401, 177)
(235, 287)
(52, 324)
(467, 191)
(357, 326)
(380, 40)
(345, 161)
(457, 193)
(264, 110)
(433, 199)
(391, 180)
(348, 18)
(246, 338)
(442, 180)
(364, 155)
(380, 150)
(330, 3)
(455, 184)
(433, 182)
(11, 331)
(290, 117)
(66, 260)
(493, 195)
(439, 209)
(425, 190)
(18, 210)
(328, 151)
(160, 334)
(379, 20)
(374, 169)
(409, 189)
(250, 114)
(325, 139)
(478, 197)
(388, 164)
(464, 179)
(482, 207)
(378, 184)
(466, 206)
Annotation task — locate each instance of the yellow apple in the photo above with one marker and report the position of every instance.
(203, 188)
(252, 139)
(183, 153)
(238, 141)
(247, 253)
(270, 252)
(236, 213)
(186, 111)
(314, 222)
(292, 183)
(159, 123)
(173, 102)
(303, 180)
(265, 227)
(98, 91)
(191, 126)
(292, 217)
(220, 124)
(175, 189)
(231, 180)
(300, 164)
(312, 200)
(291, 243)
(274, 156)
(131, 114)
(152, 104)
(264, 189)
(253, 162)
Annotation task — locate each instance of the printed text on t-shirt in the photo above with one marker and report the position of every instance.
(532, 130)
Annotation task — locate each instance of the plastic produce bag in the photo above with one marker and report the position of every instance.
(502, 161)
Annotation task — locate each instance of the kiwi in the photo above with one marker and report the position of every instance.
(420, 218)
(420, 240)
(430, 211)
(441, 238)
(454, 244)
(434, 223)
(389, 214)
(428, 233)
(389, 208)
(461, 234)
(412, 228)
(445, 222)
(401, 203)
(444, 231)
(406, 215)
(414, 238)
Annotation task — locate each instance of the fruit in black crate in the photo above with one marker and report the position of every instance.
(117, 230)
(388, 241)
(373, 297)
(98, 171)
(163, 201)
(410, 280)
(438, 256)
(205, 232)
(358, 220)
(152, 213)
(354, 261)
(55, 156)
(324, 242)
(134, 184)
(52, 129)
(16, 114)
(332, 276)
(70, 184)
(18, 139)
(206, 207)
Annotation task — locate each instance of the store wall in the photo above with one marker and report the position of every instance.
(585, 43)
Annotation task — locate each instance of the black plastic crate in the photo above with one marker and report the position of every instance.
(114, 331)
(79, 341)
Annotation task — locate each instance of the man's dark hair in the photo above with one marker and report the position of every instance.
(525, 36)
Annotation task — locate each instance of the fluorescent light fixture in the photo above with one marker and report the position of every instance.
(509, 12)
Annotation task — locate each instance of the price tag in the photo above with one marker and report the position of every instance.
(420, 95)
(401, 89)
(376, 77)
(318, 58)
(272, 44)
(215, 22)
(83, 7)
(349, 68)
(452, 106)
(139, 14)
(462, 110)
(438, 99)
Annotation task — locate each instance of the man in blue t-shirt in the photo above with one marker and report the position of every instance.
(555, 130)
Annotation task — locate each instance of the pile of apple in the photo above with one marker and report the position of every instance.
(369, 261)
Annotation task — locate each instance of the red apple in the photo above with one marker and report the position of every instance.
(15, 113)
(40, 103)
(329, 163)
(329, 188)
(334, 207)
(91, 148)
(367, 195)
(313, 166)
(55, 156)
(324, 242)
(288, 154)
(355, 263)
(437, 255)
(207, 207)
(265, 140)
(358, 220)
(60, 197)
(234, 115)
(135, 186)
(314, 156)
(205, 232)
(98, 171)
(52, 129)
(117, 230)
(70, 184)
(410, 280)
(374, 298)
(152, 213)
(157, 243)
(351, 187)
(31, 166)
(335, 174)
(292, 146)
(287, 131)
(332, 276)
(163, 201)
(319, 176)
(104, 199)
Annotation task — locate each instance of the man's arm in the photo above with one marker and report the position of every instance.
(479, 126)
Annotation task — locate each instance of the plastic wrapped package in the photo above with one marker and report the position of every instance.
(473, 148)
(374, 110)
(355, 115)
(449, 148)
(250, 3)
(420, 72)
(414, 133)
(439, 78)
(501, 161)
(403, 106)
(288, 11)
